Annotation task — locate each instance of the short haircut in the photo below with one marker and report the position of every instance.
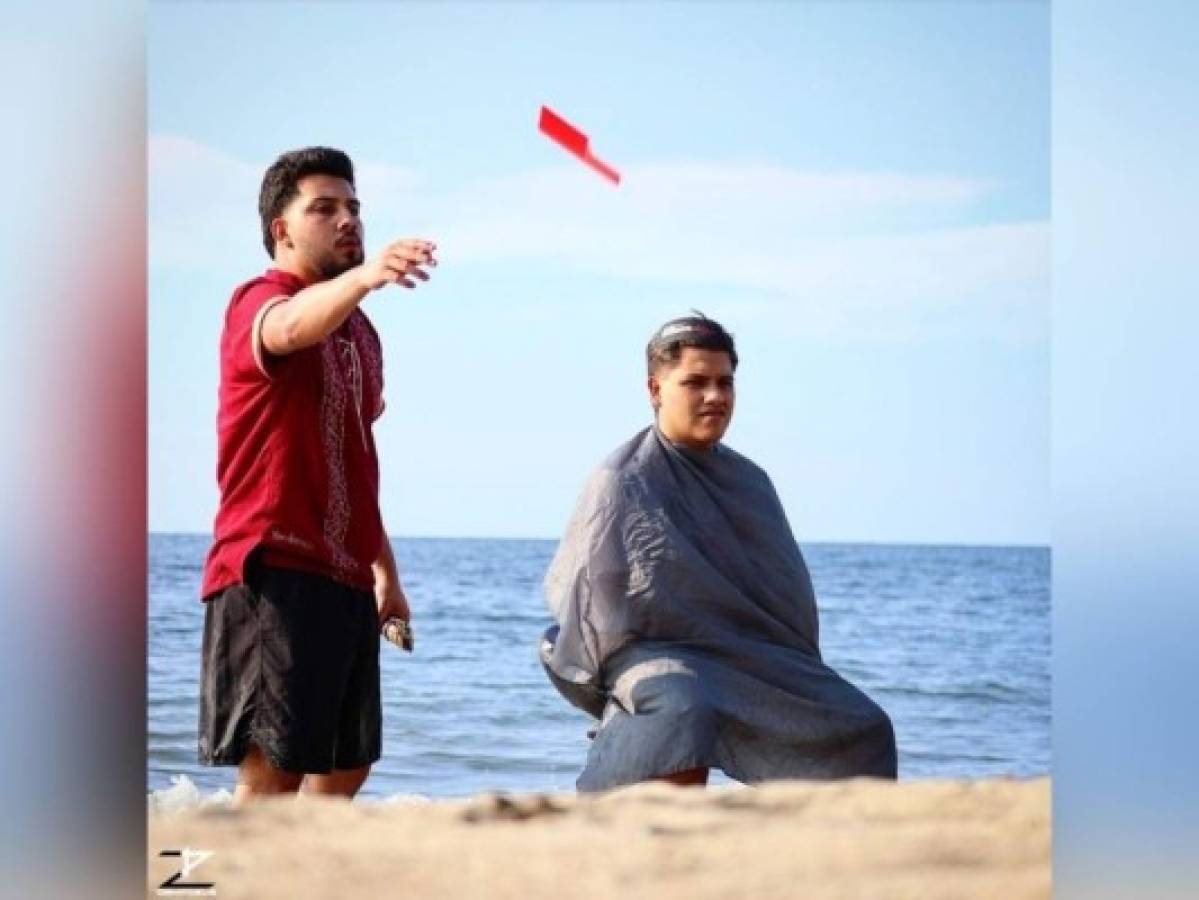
(281, 183)
(666, 347)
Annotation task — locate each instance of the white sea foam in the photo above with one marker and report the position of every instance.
(405, 800)
(183, 795)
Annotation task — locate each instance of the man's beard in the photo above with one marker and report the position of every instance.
(333, 264)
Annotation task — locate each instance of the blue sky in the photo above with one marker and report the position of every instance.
(860, 192)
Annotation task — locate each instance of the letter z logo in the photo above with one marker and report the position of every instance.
(191, 860)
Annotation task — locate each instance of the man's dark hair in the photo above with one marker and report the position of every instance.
(665, 348)
(280, 184)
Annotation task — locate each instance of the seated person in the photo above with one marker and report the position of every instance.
(686, 621)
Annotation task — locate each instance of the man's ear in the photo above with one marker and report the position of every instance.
(279, 232)
(655, 392)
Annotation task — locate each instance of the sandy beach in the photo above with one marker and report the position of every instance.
(857, 839)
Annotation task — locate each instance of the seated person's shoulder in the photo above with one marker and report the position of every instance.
(631, 453)
(608, 486)
(618, 468)
(615, 484)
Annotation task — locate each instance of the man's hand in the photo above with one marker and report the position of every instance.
(390, 600)
(399, 263)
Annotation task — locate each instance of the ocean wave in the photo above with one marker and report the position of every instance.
(990, 692)
(183, 795)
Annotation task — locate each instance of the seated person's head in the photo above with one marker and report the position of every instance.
(691, 363)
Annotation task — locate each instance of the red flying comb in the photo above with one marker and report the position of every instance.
(574, 141)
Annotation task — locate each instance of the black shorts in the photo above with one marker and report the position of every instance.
(291, 664)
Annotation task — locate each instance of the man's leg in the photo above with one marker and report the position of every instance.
(687, 778)
(360, 724)
(256, 777)
(338, 783)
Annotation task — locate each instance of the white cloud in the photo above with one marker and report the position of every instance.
(201, 204)
(840, 254)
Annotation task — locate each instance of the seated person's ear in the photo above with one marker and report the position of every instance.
(655, 390)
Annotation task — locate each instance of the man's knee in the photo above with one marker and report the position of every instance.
(684, 697)
(257, 777)
(338, 783)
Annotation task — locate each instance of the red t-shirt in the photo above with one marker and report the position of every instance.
(296, 459)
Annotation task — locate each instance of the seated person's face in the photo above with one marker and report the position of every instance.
(694, 398)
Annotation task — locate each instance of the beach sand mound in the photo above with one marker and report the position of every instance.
(850, 839)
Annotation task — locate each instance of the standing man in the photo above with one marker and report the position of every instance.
(301, 574)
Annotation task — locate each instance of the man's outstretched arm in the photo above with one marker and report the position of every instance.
(319, 309)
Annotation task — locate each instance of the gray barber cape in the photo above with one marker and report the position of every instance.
(684, 607)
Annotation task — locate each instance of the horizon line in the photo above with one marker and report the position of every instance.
(948, 545)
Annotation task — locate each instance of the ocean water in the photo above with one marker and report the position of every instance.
(952, 641)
